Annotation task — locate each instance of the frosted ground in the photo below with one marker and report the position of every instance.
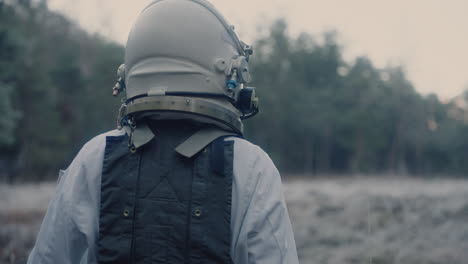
(335, 221)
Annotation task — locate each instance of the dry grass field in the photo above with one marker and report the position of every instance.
(335, 221)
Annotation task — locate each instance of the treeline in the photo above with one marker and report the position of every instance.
(319, 113)
(55, 89)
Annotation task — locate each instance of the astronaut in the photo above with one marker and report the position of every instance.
(176, 182)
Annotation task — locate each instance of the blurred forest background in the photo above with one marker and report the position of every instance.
(319, 113)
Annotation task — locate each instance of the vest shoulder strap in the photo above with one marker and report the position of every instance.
(200, 140)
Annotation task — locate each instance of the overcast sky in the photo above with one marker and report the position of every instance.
(429, 37)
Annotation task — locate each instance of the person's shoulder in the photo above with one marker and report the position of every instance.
(245, 147)
(87, 163)
(98, 143)
(249, 154)
(102, 137)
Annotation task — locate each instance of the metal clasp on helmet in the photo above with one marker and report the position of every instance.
(120, 84)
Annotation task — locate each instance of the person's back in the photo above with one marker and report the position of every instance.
(176, 183)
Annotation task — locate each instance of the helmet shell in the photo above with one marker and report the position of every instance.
(183, 48)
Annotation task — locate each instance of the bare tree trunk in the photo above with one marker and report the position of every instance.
(308, 156)
(394, 154)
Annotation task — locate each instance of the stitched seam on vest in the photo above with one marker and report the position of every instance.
(113, 145)
(229, 171)
(189, 217)
(135, 207)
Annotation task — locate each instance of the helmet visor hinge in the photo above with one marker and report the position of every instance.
(237, 72)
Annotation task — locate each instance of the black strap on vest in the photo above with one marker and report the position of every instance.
(160, 207)
(217, 157)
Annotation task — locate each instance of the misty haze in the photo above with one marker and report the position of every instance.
(366, 118)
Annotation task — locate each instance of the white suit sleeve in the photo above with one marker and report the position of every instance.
(70, 224)
(58, 234)
(270, 238)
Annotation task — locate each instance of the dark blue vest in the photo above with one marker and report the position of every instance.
(160, 207)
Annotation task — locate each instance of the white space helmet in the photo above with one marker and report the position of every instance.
(183, 60)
